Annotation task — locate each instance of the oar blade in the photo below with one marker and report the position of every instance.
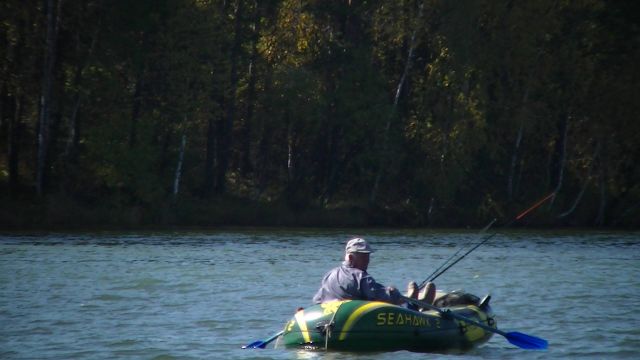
(525, 341)
(262, 344)
(256, 345)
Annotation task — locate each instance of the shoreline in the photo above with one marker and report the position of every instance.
(56, 215)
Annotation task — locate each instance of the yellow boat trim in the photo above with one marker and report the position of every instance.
(473, 332)
(357, 314)
(302, 323)
(332, 307)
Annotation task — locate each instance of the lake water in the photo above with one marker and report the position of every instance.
(195, 295)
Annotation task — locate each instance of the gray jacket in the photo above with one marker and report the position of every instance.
(349, 283)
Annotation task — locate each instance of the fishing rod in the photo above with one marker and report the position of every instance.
(465, 246)
(520, 216)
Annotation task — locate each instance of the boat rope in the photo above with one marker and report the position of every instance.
(329, 326)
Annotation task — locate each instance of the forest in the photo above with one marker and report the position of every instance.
(336, 113)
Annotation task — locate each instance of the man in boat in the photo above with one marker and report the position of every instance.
(351, 281)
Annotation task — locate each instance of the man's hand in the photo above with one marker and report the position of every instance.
(395, 295)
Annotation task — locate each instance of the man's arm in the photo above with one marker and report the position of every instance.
(372, 290)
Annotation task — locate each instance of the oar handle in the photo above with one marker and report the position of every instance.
(275, 336)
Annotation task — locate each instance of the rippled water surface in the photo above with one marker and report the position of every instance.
(203, 295)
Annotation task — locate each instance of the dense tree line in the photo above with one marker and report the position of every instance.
(408, 112)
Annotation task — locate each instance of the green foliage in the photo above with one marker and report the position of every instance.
(305, 92)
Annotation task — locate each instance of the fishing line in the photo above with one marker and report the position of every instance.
(465, 246)
(520, 216)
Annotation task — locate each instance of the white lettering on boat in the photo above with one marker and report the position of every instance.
(398, 319)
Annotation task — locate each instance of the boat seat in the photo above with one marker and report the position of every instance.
(484, 303)
(456, 297)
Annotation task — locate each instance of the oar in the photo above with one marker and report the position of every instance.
(261, 344)
(518, 339)
(520, 216)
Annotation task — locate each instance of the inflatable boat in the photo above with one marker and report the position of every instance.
(355, 325)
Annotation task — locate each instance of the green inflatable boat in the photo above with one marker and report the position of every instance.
(354, 325)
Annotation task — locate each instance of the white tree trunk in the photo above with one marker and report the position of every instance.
(562, 160)
(516, 146)
(290, 154)
(396, 99)
(584, 185)
(600, 219)
(176, 181)
(53, 22)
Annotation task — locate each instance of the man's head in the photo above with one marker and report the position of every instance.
(357, 253)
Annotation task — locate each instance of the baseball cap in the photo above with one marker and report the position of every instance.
(358, 245)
